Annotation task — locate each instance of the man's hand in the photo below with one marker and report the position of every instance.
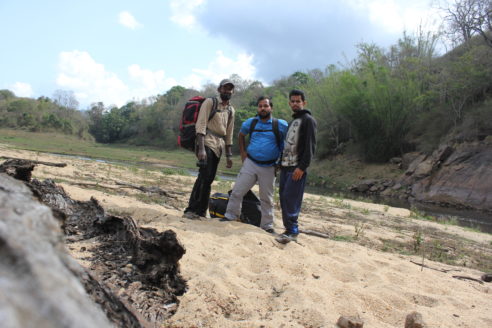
(243, 156)
(297, 174)
(229, 162)
(202, 155)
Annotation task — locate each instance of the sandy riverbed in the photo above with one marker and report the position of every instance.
(238, 276)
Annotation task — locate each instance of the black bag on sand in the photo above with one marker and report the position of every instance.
(250, 211)
(217, 204)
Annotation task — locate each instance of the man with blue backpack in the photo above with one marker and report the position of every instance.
(260, 157)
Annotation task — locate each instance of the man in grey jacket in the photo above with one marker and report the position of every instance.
(299, 147)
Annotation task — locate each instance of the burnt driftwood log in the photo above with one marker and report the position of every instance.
(137, 266)
(41, 284)
(36, 162)
(21, 169)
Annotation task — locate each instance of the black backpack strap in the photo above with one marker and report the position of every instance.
(276, 131)
(252, 127)
(214, 108)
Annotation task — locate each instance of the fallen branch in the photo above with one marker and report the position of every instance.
(153, 189)
(36, 162)
(468, 278)
(315, 233)
(428, 267)
(92, 184)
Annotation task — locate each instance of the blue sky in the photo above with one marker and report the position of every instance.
(118, 51)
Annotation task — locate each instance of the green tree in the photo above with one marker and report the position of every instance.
(377, 103)
(175, 94)
(6, 94)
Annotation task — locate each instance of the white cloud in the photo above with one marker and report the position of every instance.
(149, 82)
(183, 12)
(395, 16)
(222, 67)
(21, 89)
(90, 81)
(126, 19)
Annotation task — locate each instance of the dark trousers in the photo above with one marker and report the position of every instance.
(291, 193)
(200, 194)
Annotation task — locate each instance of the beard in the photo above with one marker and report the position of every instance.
(225, 96)
(263, 114)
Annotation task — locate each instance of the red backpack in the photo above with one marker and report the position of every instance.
(187, 131)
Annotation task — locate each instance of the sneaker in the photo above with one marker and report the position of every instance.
(224, 219)
(270, 230)
(286, 237)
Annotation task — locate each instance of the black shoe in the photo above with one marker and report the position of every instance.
(286, 237)
(191, 216)
(271, 230)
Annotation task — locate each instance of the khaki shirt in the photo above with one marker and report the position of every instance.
(218, 131)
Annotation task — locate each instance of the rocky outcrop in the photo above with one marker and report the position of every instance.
(453, 175)
(459, 176)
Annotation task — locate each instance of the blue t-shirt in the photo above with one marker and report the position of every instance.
(263, 144)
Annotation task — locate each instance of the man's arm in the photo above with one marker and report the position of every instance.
(201, 128)
(230, 127)
(201, 153)
(307, 142)
(306, 148)
(228, 156)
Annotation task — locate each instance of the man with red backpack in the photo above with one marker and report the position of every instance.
(213, 137)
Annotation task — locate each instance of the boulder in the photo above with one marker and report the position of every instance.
(414, 320)
(363, 186)
(350, 322)
(487, 277)
(424, 166)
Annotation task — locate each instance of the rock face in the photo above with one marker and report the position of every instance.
(460, 177)
(39, 285)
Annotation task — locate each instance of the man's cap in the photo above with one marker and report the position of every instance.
(225, 82)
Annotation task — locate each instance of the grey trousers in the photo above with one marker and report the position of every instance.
(250, 174)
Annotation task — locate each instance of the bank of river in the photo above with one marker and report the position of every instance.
(467, 218)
